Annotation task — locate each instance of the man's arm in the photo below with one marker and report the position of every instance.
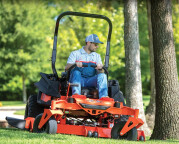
(71, 60)
(78, 64)
(99, 68)
(99, 64)
(68, 66)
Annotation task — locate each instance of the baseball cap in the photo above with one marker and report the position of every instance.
(93, 38)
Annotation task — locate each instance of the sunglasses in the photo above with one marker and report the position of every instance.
(96, 44)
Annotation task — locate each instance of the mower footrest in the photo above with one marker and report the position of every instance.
(17, 123)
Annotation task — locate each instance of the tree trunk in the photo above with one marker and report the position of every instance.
(166, 77)
(24, 93)
(150, 110)
(133, 86)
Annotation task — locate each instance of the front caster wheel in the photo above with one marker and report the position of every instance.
(50, 127)
(130, 135)
(90, 134)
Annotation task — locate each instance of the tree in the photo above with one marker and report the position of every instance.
(23, 43)
(133, 89)
(166, 77)
(150, 110)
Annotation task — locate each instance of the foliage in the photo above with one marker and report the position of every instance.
(24, 44)
(176, 29)
(26, 39)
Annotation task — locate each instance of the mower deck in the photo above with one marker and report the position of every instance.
(62, 110)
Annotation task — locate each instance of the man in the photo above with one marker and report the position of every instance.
(88, 76)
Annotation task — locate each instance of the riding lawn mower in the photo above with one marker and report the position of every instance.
(55, 110)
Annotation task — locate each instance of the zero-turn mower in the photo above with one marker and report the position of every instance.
(55, 110)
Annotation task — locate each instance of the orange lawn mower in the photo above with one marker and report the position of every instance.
(55, 110)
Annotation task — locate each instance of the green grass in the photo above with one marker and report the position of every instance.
(12, 103)
(146, 100)
(15, 136)
(20, 112)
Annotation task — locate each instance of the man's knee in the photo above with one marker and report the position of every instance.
(102, 76)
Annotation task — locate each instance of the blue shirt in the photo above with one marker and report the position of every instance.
(82, 56)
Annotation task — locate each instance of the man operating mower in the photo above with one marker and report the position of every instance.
(88, 76)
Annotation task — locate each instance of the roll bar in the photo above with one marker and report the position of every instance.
(54, 51)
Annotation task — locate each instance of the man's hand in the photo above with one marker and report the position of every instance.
(99, 66)
(79, 64)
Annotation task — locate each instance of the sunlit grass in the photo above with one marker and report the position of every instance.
(12, 103)
(20, 112)
(146, 100)
(15, 136)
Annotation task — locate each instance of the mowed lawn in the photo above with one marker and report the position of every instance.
(15, 136)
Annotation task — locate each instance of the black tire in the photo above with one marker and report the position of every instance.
(90, 134)
(34, 108)
(95, 134)
(130, 135)
(141, 138)
(50, 127)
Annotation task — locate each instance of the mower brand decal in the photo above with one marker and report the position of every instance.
(90, 100)
(98, 101)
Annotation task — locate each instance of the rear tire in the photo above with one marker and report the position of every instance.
(130, 135)
(34, 108)
(50, 127)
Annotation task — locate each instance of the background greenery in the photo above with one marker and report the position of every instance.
(26, 39)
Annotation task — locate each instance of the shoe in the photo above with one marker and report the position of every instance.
(105, 97)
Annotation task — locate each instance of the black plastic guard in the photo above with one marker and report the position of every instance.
(17, 123)
(48, 85)
(99, 107)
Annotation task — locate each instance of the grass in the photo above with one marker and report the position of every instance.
(12, 103)
(20, 112)
(15, 136)
(146, 100)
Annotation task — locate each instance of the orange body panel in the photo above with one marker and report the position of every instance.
(83, 130)
(29, 123)
(140, 133)
(45, 97)
(47, 114)
(136, 122)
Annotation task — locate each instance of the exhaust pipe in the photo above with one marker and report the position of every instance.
(17, 123)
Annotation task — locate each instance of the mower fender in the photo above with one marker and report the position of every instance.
(131, 123)
(47, 114)
(140, 135)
